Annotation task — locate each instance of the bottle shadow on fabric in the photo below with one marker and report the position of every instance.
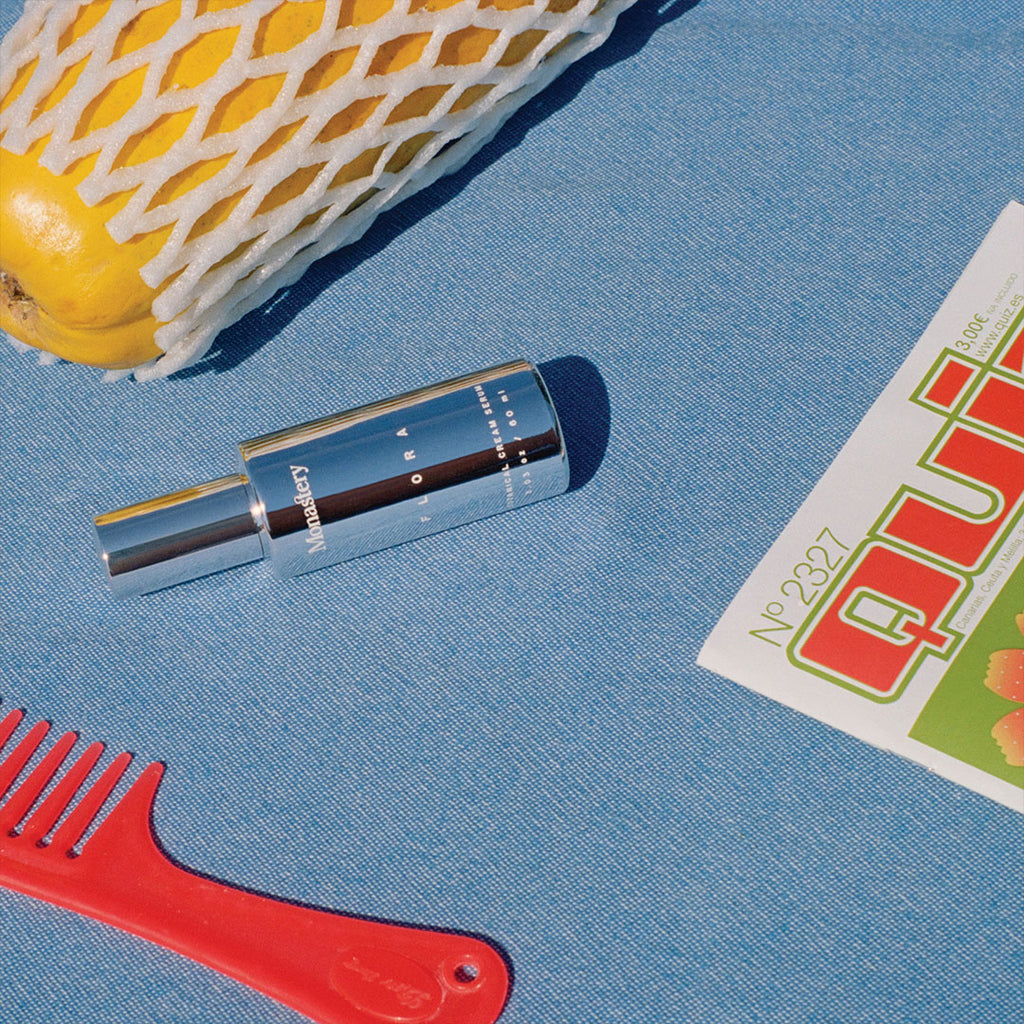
(580, 398)
(243, 339)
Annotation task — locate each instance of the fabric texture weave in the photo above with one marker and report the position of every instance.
(719, 234)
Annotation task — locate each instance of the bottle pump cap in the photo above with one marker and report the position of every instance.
(179, 536)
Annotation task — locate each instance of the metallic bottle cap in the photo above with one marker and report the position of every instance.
(179, 536)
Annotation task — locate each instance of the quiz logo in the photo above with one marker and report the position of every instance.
(897, 599)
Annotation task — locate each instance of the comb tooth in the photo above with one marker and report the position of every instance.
(8, 725)
(73, 827)
(21, 801)
(50, 810)
(12, 765)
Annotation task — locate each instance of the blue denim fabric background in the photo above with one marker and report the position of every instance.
(742, 213)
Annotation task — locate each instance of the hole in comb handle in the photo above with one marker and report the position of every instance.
(466, 974)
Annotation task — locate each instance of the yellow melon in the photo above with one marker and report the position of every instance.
(167, 165)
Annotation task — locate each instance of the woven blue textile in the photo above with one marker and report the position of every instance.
(731, 223)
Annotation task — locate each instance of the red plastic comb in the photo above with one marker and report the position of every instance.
(332, 968)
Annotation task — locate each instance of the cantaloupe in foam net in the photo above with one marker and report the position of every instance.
(167, 165)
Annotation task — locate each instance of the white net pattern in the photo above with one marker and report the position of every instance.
(338, 178)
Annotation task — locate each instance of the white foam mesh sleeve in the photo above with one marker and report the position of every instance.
(206, 281)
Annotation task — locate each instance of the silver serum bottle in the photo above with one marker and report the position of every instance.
(349, 484)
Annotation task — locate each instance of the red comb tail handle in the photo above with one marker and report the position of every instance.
(332, 968)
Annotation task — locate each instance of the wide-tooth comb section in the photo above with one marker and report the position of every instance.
(39, 820)
(23, 798)
(8, 725)
(13, 764)
(75, 824)
(63, 793)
